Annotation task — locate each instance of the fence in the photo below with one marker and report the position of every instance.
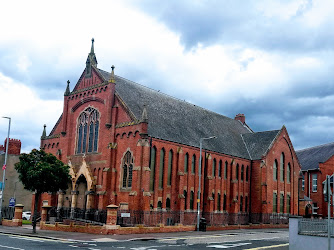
(8, 212)
(127, 218)
(315, 227)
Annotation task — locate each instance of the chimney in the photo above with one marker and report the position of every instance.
(240, 117)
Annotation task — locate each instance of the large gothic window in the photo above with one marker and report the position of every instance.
(127, 170)
(88, 126)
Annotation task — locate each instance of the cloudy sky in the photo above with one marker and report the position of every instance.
(271, 60)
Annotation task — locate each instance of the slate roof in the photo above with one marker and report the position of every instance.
(258, 143)
(182, 122)
(310, 158)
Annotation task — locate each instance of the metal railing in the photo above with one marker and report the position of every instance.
(315, 227)
(8, 213)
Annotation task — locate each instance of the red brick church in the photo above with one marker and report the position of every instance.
(137, 148)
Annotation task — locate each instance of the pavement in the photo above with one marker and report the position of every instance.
(26, 230)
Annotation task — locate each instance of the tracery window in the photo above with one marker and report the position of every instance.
(127, 170)
(88, 126)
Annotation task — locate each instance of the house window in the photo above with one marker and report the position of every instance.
(214, 168)
(275, 203)
(281, 205)
(193, 163)
(314, 182)
(303, 183)
(170, 167)
(225, 170)
(161, 168)
(88, 124)
(282, 167)
(152, 167)
(275, 170)
(127, 170)
(288, 173)
(186, 162)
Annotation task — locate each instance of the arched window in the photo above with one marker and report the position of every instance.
(282, 167)
(161, 168)
(237, 172)
(242, 172)
(127, 170)
(275, 170)
(288, 173)
(224, 203)
(246, 203)
(281, 205)
(241, 201)
(246, 174)
(159, 205)
(214, 168)
(167, 203)
(186, 162)
(88, 124)
(152, 167)
(185, 199)
(170, 167)
(225, 170)
(193, 164)
(220, 168)
(192, 200)
(218, 202)
(275, 203)
(288, 204)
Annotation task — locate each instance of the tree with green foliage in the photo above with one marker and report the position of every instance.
(42, 172)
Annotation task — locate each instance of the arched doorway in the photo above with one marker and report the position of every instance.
(81, 187)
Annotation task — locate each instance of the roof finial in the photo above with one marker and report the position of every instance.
(67, 91)
(112, 78)
(92, 49)
(44, 132)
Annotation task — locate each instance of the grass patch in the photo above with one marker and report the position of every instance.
(26, 222)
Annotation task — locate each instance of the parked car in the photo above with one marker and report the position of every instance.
(26, 215)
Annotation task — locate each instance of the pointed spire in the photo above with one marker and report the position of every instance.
(112, 78)
(144, 117)
(92, 48)
(91, 60)
(67, 91)
(44, 132)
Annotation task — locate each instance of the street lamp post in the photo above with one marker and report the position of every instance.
(4, 169)
(199, 177)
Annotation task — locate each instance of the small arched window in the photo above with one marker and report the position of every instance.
(193, 164)
(242, 172)
(159, 205)
(247, 173)
(88, 125)
(161, 169)
(241, 201)
(224, 202)
(185, 199)
(168, 203)
(127, 170)
(282, 167)
(192, 200)
(246, 203)
(288, 173)
(214, 168)
(220, 169)
(275, 170)
(237, 172)
(186, 162)
(170, 167)
(152, 167)
(225, 170)
(218, 202)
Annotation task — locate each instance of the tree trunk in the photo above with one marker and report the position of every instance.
(34, 220)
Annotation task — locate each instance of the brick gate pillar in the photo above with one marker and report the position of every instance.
(45, 210)
(17, 221)
(111, 216)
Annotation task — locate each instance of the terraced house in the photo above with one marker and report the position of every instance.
(137, 148)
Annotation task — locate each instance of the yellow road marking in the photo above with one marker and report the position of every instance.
(266, 247)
